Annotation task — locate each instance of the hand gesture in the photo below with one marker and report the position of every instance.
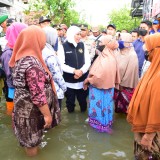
(78, 73)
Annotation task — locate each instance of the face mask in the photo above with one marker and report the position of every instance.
(121, 44)
(146, 55)
(100, 47)
(142, 32)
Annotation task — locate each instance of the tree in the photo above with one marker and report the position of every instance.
(60, 11)
(122, 19)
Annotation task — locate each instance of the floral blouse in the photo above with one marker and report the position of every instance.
(54, 67)
(30, 81)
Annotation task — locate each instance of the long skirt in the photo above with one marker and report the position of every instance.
(101, 109)
(141, 154)
(122, 99)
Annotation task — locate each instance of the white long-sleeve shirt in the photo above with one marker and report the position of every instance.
(68, 69)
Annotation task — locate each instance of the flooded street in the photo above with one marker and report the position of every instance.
(73, 139)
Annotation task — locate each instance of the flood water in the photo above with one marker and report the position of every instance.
(73, 139)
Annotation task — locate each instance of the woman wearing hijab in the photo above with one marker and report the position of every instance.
(35, 102)
(128, 68)
(143, 111)
(53, 63)
(75, 64)
(11, 36)
(102, 79)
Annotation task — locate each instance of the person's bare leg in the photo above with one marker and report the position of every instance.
(31, 151)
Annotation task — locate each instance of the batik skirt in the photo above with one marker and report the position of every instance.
(100, 110)
(122, 99)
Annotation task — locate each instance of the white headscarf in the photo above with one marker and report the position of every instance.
(71, 32)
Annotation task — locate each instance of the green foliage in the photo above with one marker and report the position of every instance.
(60, 11)
(122, 19)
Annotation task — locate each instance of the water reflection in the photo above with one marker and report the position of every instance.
(74, 139)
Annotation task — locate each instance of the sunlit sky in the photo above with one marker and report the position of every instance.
(96, 10)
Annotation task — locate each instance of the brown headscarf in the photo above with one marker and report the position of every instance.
(104, 73)
(128, 63)
(144, 108)
(30, 42)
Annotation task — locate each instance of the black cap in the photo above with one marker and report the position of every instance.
(83, 27)
(44, 19)
(111, 25)
(10, 21)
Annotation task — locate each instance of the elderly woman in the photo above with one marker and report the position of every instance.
(128, 68)
(53, 63)
(35, 102)
(102, 79)
(143, 111)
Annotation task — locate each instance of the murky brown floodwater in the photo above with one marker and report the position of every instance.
(73, 139)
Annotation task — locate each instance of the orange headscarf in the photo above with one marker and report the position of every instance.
(144, 108)
(104, 73)
(30, 42)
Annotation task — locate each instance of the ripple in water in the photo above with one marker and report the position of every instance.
(117, 154)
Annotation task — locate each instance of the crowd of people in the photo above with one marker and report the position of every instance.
(106, 71)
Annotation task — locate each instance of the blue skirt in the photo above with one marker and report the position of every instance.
(101, 107)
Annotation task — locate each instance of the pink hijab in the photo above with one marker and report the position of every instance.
(13, 32)
(104, 73)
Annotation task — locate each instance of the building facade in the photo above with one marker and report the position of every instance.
(148, 9)
(13, 8)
